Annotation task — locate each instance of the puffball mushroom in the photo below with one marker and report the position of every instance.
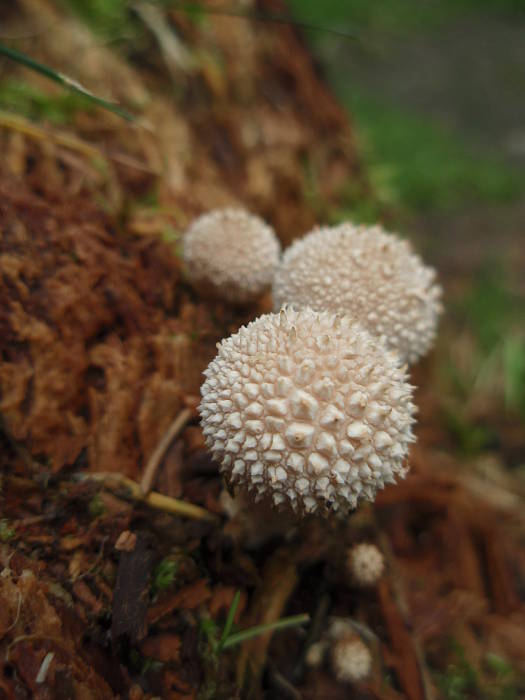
(231, 254)
(365, 564)
(307, 410)
(351, 659)
(365, 272)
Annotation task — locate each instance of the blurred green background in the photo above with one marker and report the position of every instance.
(436, 93)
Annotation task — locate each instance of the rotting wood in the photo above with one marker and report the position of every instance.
(130, 600)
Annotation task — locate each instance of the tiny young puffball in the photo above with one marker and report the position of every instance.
(351, 659)
(365, 564)
(349, 656)
(315, 654)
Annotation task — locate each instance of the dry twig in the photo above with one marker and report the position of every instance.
(153, 499)
(280, 580)
(156, 458)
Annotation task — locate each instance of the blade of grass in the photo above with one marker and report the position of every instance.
(229, 621)
(285, 622)
(259, 17)
(64, 81)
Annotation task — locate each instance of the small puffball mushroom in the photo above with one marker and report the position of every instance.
(365, 564)
(307, 410)
(349, 656)
(351, 659)
(315, 654)
(231, 254)
(369, 274)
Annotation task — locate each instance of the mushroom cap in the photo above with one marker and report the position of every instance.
(351, 659)
(315, 654)
(231, 254)
(308, 410)
(366, 564)
(372, 275)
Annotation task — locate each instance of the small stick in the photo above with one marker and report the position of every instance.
(280, 578)
(150, 472)
(400, 600)
(24, 126)
(155, 500)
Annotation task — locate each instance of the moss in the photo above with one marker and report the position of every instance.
(163, 575)
(462, 681)
(96, 507)
(6, 532)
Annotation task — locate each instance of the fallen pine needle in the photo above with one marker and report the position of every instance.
(156, 458)
(15, 122)
(24, 126)
(155, 500)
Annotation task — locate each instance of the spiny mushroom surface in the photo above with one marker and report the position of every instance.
(308, 410)
(366, 564)
(365, 272)
(231, 254)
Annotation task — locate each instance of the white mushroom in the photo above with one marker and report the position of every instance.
(351, 659)
(365, 272)
(349, 656)
(307, 410)
(231, 254)
(365, 564)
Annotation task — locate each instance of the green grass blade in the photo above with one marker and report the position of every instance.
(64, 80)
(261, 17)
(229, 621)
(285, 622)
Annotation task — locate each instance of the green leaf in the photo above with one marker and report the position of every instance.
(96, 506)
(229, 621)
(239, 637)
(6, 532)
(163, 575)
(64, 80)
(498, 665)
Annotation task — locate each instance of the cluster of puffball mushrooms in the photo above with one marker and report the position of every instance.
(309, 409)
